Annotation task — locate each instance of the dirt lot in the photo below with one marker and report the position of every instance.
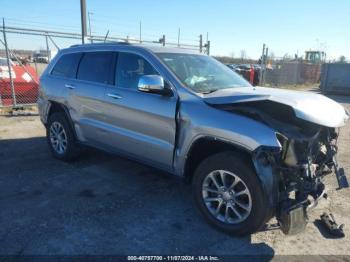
(103, 204)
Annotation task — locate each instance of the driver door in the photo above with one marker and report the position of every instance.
(140, 125)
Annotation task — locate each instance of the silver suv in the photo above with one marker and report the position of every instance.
(251, 153)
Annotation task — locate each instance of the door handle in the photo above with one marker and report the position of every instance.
(69, 86)
(115, 96)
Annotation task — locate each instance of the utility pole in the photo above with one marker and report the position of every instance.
(261, 65)
(163, 40)
(90, 13)
(83, 20)
(178, 38)
(207, 45)
(200, 43)
(140, 32)
(265, 62)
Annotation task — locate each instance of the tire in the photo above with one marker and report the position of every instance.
(69, 150)
(233, 168)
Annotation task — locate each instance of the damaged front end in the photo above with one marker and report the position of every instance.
(293, 174)
(300, 168)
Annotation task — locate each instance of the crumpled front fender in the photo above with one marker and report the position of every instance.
(264, 160)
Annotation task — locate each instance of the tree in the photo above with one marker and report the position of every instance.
(342, 59)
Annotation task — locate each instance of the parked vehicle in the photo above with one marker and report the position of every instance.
(245, 70)
(232, 66)
(251, 153)
(41, 59)
(25, 80)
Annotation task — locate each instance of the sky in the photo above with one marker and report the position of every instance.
(287, 27)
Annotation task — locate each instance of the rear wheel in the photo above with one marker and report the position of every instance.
(60, 137)
(229, 194)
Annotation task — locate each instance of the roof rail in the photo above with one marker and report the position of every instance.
(103, 43)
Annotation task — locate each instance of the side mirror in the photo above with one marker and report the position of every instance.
(153, 84)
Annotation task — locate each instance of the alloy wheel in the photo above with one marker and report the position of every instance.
(58, 138)
(226, 196)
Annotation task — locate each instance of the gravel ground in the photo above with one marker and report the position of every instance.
(103, 204)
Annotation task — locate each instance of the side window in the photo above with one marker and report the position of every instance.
(97, 67)
(67, 65)
(130, 68)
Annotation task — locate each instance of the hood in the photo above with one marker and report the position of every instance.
(308, 106)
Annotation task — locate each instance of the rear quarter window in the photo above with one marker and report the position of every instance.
(67, 65)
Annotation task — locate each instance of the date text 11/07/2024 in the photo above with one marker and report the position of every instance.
(173, 258)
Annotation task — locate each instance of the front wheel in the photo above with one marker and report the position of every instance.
(229, 194)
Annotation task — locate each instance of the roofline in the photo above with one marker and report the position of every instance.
(151, 48)
(102, 43)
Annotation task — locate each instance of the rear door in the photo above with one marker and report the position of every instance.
(86, 93)
(142, 125)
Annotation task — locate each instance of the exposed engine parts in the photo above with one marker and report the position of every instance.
(308, 153)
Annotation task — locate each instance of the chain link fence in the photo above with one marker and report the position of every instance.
(20, 69)
(24, 89)
(285, 73)
(19, 81)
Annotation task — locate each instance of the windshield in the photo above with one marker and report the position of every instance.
(202, 74)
